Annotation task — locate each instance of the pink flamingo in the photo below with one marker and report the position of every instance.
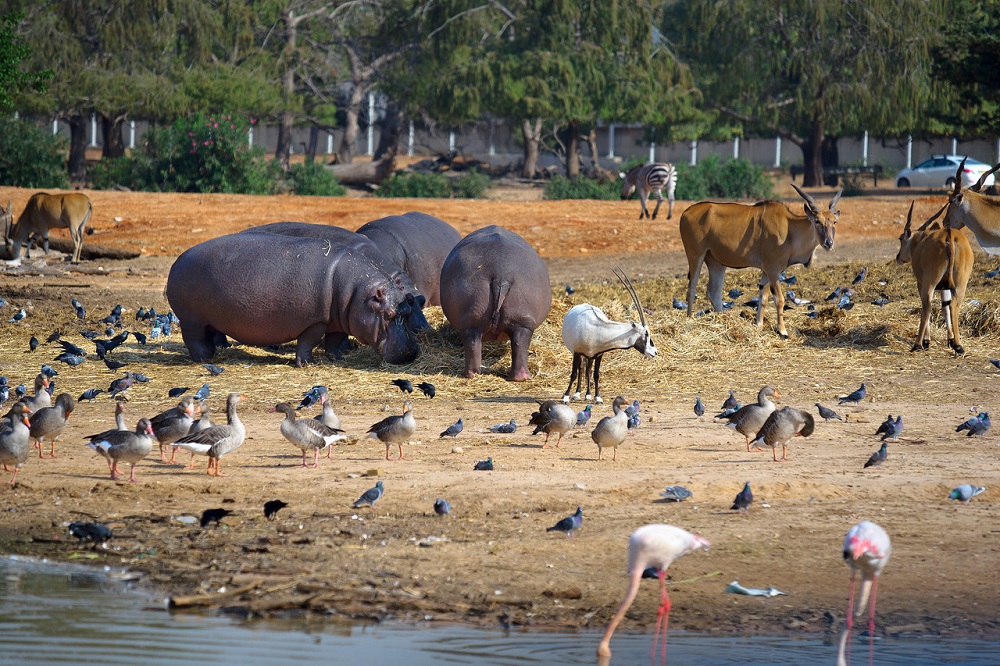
(866, 548)
(652, 546)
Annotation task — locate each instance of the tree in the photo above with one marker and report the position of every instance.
(14, 79)
(810, 70)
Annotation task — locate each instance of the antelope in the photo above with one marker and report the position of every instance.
(976, 210)
(49, 211)
(765, 235)
(589, 333)
(941, 258)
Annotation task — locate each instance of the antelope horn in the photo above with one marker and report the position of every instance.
(834, 200)
(932, 218)
(620, 274)
(909, 217)
(807, 197)
(982, 179)
(958, 178)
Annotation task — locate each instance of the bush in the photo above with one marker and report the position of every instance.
(30, 156)
(471, 185)
(196, 154)
(580, 187)
(417, 185)
(312, 179)
(713, 178)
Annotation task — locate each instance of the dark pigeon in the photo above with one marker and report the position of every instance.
(505, 428)
(827, 413)
(569, 524)
(214, 370)
(75, 350)
(93, 532)
(213, 516)
(860, 276)
(49, 372)
(878, 457)
(570, 290)
(855, 397)
(453, 430)
(177, 391)
(650, 572)
(442, 507)
(53, 336)
(893, 429)
(989, 275)
(120, 385)
(735, 293)
(33, 343)
(90, 394)
(114, 365)
(427, 388)
(977, 425)
(995, 362)
(699, 408)
(405, 385)
(484, 465)
(743, 500)
(272, 508)
(835, 294)
(731, 401)
(369, 497)
(90, 335)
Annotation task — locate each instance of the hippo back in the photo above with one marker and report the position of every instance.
(417, 242)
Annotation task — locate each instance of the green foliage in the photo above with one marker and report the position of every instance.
(417, 185)
(312, 179)
(471, 185)
(196, 154)
(30, 156)
(731, 179)
(13, 51)
(581, 187)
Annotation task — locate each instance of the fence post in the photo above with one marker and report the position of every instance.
(409, 140)
(909, 151)
(652, 151)
(131, 134)
(736, 147)
(493, 137)
(611, 140)
(93, 130)
(864, 150)
(451, 141)
(250, 137)
(329, 142)
(371, 124)
(954, 146)
(777, 151)
(694, 153)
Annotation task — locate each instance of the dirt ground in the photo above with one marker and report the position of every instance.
(492, 561)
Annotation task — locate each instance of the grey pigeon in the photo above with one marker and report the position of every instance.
(202, 393)
(633, 409)
(506, 428)
(570, 290)
(860, 276)
(735, 292)
(726, 413)
(893, 429)
(679, 304)
(49, 372)
(699, 408)
(743, 500)
(583, 416)
(731, 401)
(442, 507)
(977, 425)
(484, 465)
(89, 395)
(989, 275)
(676, 493)
(569, 524)
(855, 397)
(139, 377)
(787, 279)
(966, 492)
(214, 370)
(835, 294)
(453, 429)
(826, 413)
(880, 301)
(369, 497)
(878, 457)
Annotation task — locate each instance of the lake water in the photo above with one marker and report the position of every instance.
(76, 615)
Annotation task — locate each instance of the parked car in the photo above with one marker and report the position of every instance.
(939, 171)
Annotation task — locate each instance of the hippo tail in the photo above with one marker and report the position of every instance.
(499, 290)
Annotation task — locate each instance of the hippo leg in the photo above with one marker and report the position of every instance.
(199, 341)
(520, 340)
(336, 345)
(220, 340)
(308, 339)
(472, 340)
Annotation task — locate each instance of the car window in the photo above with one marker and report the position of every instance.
(926, 164)
(942, 162)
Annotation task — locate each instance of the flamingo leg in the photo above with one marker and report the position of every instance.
(662, 620)
(871, 623)
(850, 616)
(635, 576)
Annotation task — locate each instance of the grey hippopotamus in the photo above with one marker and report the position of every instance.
(414, 299)
(417, 242)
(267, 289)
(495, 286)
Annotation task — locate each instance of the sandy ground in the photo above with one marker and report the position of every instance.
(492, 561)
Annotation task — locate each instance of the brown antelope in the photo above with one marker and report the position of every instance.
(49, 211)
(974, 209)
(765, 235)
(941, 259)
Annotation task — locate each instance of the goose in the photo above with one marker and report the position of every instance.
(50, 422)
(41, 398)
(611, 430)
(781, 426)
(307, 434)
(553, 416)
(395, 429)
(124, 446)
(204, 422)
(15, 443)
(328, 418)
(748, 419)
(172, 424)
(218, 440)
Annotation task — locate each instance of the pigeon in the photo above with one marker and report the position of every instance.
(81, 312)
(49, 372)
(114, 365)
(20, 315)
(202, 393)
(699, 408)
(93, 532)
(633, 409)
(70, 360)
(120, 385)
(860, 276)
(369, 497)
(651, 572)
(731, 402)
(90, 335)
(484, 465)
(790, 295)
(506, 428)
(676, 493)
(995, 362)
(272, 508)
(405, 385)
(827, 413)
(878, 457)
(787, 279)
(2, 302)
(90, 394)
(835, 294)
(977, 425)
(75, 350)
(880, 301)
(427, 388)
(583, 416)
(743, 500)
(735, 293)
(453, 430)
(312, 396)
(569, 524)
(855, 397)
(989, 275)
(966, 492)
(891, 428)
(570, 290)
(177, 391)
(679, 304)
(213, 369)
(139, 377)
(20, 391)
(4, 394)
(33, 343)
(213, 516)
(845, 302)
(442, 507)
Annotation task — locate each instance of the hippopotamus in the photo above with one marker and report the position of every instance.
(414, 299)
(417, 242)
(494, 286)
(267, 289)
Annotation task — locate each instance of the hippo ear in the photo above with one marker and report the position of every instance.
(421, 300)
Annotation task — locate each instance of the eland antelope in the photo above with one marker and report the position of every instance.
(49, 211)
(974, 209)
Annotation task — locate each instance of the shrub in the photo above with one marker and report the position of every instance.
(471, 185)
(30, 156)
(581, 187)
(417, 184)
(195, 154)
(732, 179)
(312, 179)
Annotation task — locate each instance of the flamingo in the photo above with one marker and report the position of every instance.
(652, 546)
(866, 548)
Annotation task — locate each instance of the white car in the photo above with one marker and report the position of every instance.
(939, 171)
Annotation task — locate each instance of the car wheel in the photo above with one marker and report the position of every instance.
(950, 183)
(902, 182)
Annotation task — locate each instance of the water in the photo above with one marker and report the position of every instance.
(75, 615)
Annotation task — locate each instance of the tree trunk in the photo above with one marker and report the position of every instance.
(345, 152)
(532, 140)
(114, 144)
(830, 157)
(77, 164)
(573, 149)
(365, 173)
(812, 156)
(286, 119)
(313, 144)
(392, 128)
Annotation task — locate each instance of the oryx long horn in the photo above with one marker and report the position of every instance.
(806, 196)
(982, 179)
(620, 274)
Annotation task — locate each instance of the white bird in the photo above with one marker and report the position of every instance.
(651, 546)
(866, 549)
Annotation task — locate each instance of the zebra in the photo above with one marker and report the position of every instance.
(651, 178)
